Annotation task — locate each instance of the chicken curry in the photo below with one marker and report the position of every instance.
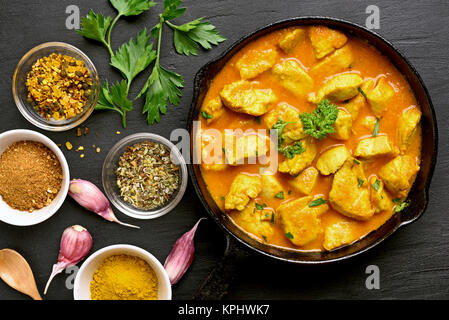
(348, 138)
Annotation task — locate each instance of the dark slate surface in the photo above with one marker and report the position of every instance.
(413, 262)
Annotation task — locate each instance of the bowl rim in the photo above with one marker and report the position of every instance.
(43, 124)
(136, 213)
(65, 170)
(305, 20)
(127, 249)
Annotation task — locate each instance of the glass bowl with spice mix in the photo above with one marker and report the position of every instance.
(34, 177)
(144, 176)
(56, 86)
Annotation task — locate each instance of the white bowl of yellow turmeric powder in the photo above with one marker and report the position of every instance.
(122, 272)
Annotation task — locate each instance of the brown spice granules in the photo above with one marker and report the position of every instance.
(30, 176)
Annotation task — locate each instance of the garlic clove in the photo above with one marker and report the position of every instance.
(76, 243)
(181, 256)
(90, 197)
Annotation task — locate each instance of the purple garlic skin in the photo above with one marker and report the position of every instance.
(76, 243)
(90, 197)
(181, 256)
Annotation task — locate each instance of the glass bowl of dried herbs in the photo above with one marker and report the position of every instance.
(144, 176)
(56, 86)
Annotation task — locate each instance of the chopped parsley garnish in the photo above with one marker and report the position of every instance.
(224, 149)
(289, 192)
(361, 91)
(272, 218)
(400, 205)
(320, 122)
(376, 128)
(289, 235)
(280, 195)
(376, 185)
(361, 182)
(264, 238)
(290, 151)
(206, 115)
(257, 119)
(222, 198)
(260, 206)
(279, 127)
(317, 202)
(356, 161)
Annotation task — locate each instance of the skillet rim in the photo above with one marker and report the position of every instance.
(230, 235)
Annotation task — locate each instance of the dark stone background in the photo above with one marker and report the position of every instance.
(413, 262)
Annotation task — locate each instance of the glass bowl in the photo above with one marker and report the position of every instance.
(110, 180)
(20, 91)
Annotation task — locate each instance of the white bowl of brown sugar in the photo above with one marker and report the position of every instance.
(34, 177)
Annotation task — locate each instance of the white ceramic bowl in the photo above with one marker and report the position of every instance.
(81, 290)
(23, 218)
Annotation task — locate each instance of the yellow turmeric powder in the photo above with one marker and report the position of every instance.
(124, 277)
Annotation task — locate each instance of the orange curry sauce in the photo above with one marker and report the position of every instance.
(368, 63)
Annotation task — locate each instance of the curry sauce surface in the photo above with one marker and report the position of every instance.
(369, 63)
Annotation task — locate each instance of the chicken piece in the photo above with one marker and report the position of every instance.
(339, 88)
(408, 122)
(305, 181)
(300, 161)
(291, 39)
(300, 222)
(294, 130)
(399, 174)
(347, 197)
(338, 235)
(332, 159)
(375, 147)
(293, 77)
(246, 147)
(212, 110)
(212, 157)
(256, 222)
(342, 126)
(325, 40)
(379, 197)
(242, 97)
(369, 123)
(355, 104)
(379, 97)
(270, 186)
(255, 62)
(337, 62)
(243, 188)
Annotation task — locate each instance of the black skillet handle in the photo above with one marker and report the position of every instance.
(216, 285)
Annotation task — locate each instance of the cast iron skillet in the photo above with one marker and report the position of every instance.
(216, 284)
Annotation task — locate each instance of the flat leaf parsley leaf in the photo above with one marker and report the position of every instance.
(320, 122)
(133, 57)
(189, 36)
(94, 26)
(132, 7)
(115, 98)
(164, 86)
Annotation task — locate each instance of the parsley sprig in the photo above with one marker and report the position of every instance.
(164, 86)
(130, 59)
(320, 122)
(290, 151)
